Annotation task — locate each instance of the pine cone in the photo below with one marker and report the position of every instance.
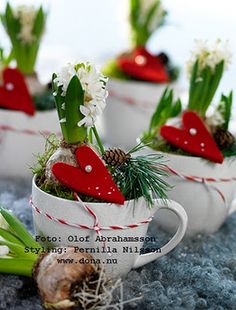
(115, 157)
(223, 138)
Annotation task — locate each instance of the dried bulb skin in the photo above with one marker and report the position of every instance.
(64, 155)
(55, 280)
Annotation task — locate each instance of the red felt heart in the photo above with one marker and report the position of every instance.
(91, 177)
(140, 64)
(14, 94)
(193, 138)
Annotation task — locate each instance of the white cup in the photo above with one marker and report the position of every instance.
(18, 146)
(130, 105)
(207, 203)
(126, 254)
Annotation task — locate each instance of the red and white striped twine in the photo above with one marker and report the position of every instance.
(204, 181)
(27, 131)
(96, 227)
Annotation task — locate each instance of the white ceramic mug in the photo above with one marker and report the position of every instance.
(203, 201)
(18, 147)
(127, 254)
(130, 105)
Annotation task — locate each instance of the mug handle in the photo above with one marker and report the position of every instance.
(232, 208)
(182, 216)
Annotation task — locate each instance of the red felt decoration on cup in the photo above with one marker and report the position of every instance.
(140, 64)
(193, 137)
(91, 177)
(14, 94)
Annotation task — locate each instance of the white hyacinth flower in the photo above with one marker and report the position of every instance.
(93, 83)
(209, 57)
(90, 116)
(215, 119)
(26, 16)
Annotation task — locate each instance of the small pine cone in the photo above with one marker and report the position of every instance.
(223, 138)
(115, 157)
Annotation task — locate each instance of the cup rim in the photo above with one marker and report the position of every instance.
(87, 203)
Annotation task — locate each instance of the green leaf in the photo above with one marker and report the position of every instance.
(18, 266)
(134, 13)
(155, 120)
(192, 86)
(177, 108)
(18, 229)
(39, 23)
(225, 108)
(165, 109)
(203, 96)
(73, 100)
(59, 100)
(217, 75)
(150, 15)
(9, 236)
(17, 249)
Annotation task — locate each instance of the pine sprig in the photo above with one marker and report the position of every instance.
(142, 176)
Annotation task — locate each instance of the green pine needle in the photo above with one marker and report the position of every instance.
(142, 176)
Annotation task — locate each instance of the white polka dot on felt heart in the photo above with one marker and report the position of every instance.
(88, 168)
(9, 86)
(193, 131)
(140, 60)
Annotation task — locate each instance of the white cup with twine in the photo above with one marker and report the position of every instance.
(22, 137)
(88, 227)
(205, 189)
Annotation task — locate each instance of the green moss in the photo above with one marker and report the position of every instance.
(56, 190)
(51, 145)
